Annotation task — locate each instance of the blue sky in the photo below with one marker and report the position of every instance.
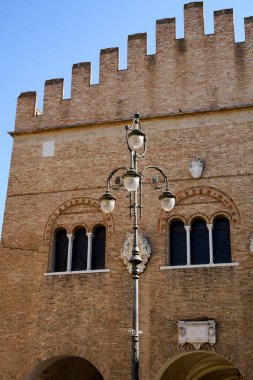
(41, 40)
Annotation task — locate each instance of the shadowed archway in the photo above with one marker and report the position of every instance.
(200, 365)
(65, 368)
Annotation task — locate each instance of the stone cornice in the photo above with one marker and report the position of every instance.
(127, 120)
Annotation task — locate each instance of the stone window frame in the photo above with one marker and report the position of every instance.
(187, 225)
(70, 234)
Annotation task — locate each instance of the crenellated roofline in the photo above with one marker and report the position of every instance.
(194, 73)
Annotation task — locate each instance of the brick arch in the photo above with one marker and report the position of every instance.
(198, 215)
(61, 226)
(174, 217)
(76, 226)
(97, 224)
(106, 219)
(65, 351)
(210, 191)
(176, 351)
(220, 213)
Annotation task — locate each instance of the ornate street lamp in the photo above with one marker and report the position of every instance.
(133, 182)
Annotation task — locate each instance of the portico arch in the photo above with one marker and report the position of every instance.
(64, 367)
(199, 365)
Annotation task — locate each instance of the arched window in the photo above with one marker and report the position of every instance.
(80, 251)
(177, 240)
(79, 254)
(221, 241)
(199, 243)
(98, 248)
(61, 251)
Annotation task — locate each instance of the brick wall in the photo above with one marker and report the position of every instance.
(89, 315)
(199, 72)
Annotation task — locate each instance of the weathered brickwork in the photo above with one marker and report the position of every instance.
(195, 97)
(198, 72)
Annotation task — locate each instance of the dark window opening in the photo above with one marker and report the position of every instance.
(199, 243)
(79, 254)
(178, 252)
(221, 241)
(98, 248)
(61, 251)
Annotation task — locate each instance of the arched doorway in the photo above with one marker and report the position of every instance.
(65, 368)
(199, 365)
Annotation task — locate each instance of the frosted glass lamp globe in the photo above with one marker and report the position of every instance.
(167, 200)
(136, 139)
(107, 203)
(131, 180)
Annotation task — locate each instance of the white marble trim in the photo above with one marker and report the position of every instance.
(199, 266)
(77, 272)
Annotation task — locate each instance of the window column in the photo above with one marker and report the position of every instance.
(70, 249)
(188, 244)
(89, 254)
(53, 256)
(210, 232)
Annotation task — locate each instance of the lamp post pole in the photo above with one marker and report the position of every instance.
(133, 181)
(135, 260)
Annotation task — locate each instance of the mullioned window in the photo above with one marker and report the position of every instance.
(199, 243)
(80, 250)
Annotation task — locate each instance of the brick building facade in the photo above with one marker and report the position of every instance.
(195, 98)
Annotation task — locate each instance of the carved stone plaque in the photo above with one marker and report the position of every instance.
(196, 333)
